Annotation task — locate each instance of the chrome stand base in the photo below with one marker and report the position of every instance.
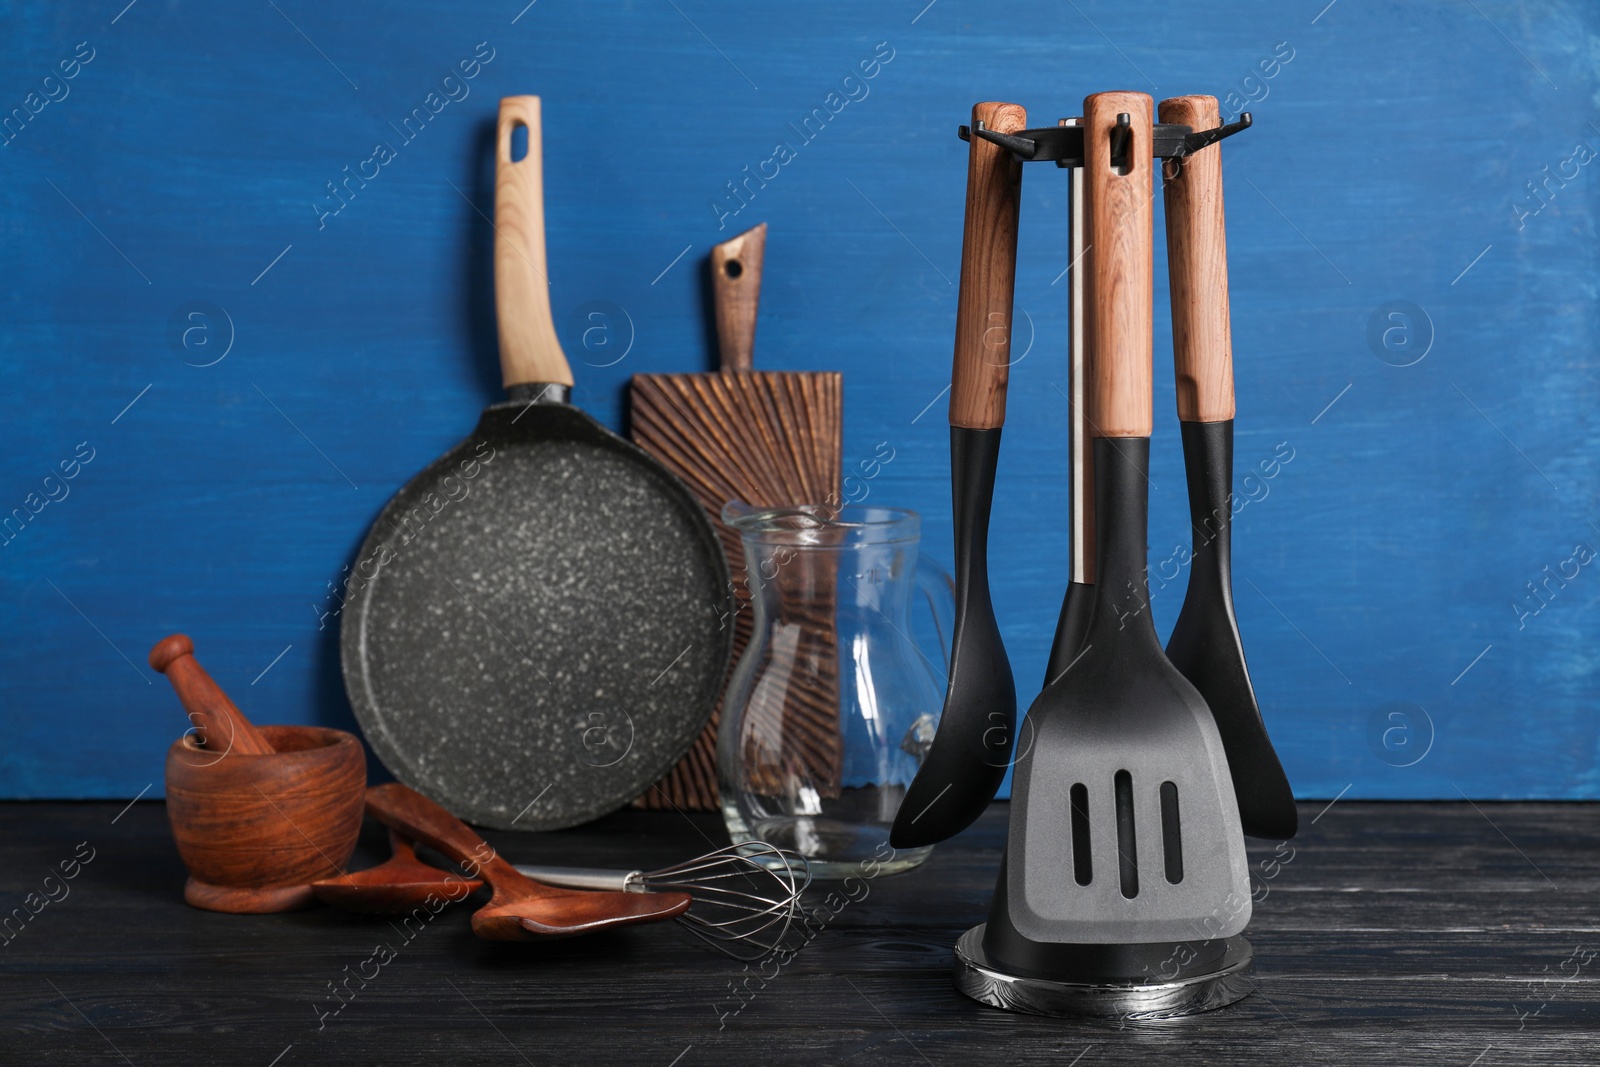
(979, 979)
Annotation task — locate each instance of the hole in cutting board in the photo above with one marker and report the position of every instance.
(1082, 862)
(1127, 848)
(519, 142)
(733, 268)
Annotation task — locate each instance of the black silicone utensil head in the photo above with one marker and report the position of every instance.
(968, 758)
(1124, 825)
(1205, 643)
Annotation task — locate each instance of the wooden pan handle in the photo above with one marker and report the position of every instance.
(221, 725)
(736, 291)
(529, 351)
(1197, 268)
(988, 274)
(399, 807)
(1120, 220)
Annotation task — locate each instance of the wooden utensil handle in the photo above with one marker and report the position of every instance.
(402, 808)
(401, 846)
(529, 350)
(1197, 268)
(222, 726)
(1120, 220)
(988, 274)
(736, 292)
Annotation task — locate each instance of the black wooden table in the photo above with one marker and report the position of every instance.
(1405, 934)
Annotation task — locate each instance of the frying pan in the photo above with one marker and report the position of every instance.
(536, 626)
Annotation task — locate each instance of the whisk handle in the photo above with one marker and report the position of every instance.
(585, 878)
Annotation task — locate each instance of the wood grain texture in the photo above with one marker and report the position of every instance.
(1120, 223)
(219, 724)
(256, 830)
(770, 439)
(736, 285)
(397, 886)
(529, 350)
(1410, 934)
(1197, 269)
(985, 299)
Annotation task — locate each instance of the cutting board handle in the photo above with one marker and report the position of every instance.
(1197, 269)
(1120, 220)
(736, 292)
(982, 362)
(529, 350)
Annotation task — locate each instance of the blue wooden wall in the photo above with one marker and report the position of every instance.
(237, 377)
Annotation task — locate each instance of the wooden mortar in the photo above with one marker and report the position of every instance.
(256, 828)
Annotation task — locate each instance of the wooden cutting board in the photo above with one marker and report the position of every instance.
(767, 438)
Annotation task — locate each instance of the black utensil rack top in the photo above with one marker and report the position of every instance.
(1063, 145)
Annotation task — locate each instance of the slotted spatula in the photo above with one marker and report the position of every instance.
(1124, 826)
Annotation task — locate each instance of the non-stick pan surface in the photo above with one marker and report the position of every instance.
(540, 642)
(539, 622)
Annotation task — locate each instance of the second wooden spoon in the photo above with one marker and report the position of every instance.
(520, 909)
(400, 884)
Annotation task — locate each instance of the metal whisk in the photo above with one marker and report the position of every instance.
(746, 897)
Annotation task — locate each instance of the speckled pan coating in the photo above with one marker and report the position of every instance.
(539, 631)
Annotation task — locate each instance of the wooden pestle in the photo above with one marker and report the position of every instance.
(221, 725)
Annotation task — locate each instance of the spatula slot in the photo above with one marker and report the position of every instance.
(1082, 862)
(1127, 847)
(1171, 832)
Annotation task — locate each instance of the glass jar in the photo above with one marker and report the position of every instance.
(834, 704)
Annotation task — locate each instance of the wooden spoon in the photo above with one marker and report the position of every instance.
(400, 884)
(520, 909)
(222, 726)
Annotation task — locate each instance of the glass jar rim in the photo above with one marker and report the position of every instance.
(822, 526)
